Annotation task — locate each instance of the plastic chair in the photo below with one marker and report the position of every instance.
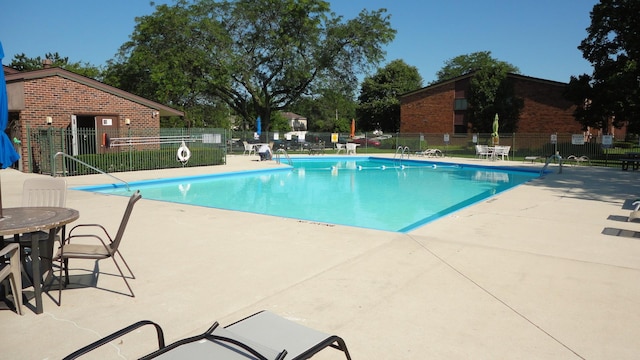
(97, 252)
(339, 147)
(11, 270)
(351, 148)
(46, 191)
(502, 151)
(248, 148)
(482, 151)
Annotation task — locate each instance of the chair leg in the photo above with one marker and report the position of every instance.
(125, 264)
(64, 263)
(122, 274)
(16, 290)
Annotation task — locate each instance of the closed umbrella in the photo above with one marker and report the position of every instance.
(8, 154)
(353, 128)
(259, 125)
(494, 134)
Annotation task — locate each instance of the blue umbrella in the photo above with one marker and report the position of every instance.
(259, 126)
(8, 154)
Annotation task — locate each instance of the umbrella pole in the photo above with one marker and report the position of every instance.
(1, 216)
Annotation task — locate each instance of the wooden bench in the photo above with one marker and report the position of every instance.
(634, 162)
(632, 159)
(317, 148)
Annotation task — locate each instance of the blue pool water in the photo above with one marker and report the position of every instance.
(356, 191)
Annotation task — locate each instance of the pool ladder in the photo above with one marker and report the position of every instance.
(552, 157)
(283, 151)
(402, 151)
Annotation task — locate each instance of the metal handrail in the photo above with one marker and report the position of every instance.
(85, 164)
(283, 151)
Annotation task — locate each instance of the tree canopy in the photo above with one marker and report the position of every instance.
(612, 46)
(490, 91)
(464, 64)
(252, 56)
(22, 62)
(330, 109)
(379, 105)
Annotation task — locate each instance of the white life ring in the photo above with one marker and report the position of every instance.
(183, 153)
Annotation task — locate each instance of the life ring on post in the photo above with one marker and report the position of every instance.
(183, 153)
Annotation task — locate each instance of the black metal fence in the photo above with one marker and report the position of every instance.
(116, 151)
(456, 145)
(145, 149)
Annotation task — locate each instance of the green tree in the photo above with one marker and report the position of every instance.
(378, 103)
(491, 92)
(255, 56)
(164, 62)
(22, 62)
(612, 46)
(330, 109)
(464, 64)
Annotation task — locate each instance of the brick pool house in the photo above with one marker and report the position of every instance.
(60, 99)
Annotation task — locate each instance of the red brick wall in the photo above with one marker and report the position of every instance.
(545, 110)
(429, 111)
(60, 98)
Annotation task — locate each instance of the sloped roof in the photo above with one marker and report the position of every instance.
(19, 76)
(470, 74)
(293, 116)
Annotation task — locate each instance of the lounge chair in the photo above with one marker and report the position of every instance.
(635, 214)
(263, 336)
(577, 160)
(430, 153)
(276, 332)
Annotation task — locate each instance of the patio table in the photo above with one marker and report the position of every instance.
(22, 220)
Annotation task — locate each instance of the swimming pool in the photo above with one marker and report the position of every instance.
(366, 192)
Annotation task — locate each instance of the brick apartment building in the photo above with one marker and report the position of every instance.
(64, 100)
(441, 108)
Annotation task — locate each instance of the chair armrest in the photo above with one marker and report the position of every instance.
(9, 249)
(109, 338)
(90, 225)
(68, 241)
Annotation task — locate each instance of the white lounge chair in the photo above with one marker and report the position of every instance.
(430, 153)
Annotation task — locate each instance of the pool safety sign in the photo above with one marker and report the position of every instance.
(607, 141)
(577, 139)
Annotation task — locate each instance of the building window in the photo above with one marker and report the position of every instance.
(460, 104)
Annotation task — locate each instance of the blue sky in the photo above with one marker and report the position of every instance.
(540, 37)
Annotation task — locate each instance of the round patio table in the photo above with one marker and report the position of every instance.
(22, 220)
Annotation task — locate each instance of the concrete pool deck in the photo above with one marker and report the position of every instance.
(549, 270)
